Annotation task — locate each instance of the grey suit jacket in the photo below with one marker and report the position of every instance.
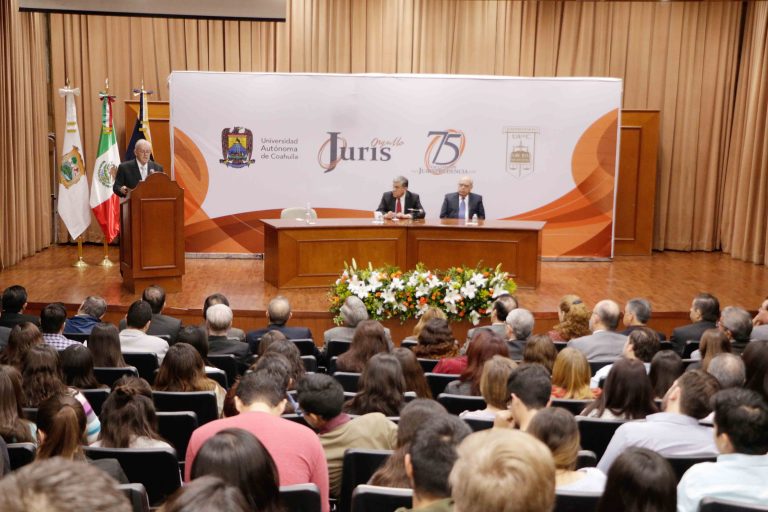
(600, 345)
(450, 208)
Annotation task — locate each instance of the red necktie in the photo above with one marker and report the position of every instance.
(398, 208)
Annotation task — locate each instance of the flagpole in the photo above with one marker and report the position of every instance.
(106, 262)
(80, 263)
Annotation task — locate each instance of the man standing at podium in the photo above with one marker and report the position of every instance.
(463, 204)
(130, 173)
(400, 203)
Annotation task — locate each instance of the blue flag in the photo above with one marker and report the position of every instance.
(141, 128)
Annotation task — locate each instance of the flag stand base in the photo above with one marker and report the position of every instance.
(80, 263)
(106, 262)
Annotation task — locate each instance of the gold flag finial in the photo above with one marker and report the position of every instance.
(106, 85)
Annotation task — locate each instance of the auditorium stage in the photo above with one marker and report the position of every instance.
(669, 280)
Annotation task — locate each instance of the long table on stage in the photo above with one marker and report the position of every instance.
(300, 255)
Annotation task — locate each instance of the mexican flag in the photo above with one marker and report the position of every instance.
(104, 203)
(73, 183)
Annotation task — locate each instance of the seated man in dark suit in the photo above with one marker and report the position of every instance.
(518, 328)
(705, 311)
(736, 324)
(401, 203)
(130, 173)
(14, 301)
(219, 298)
(637, 312)
(218, 321)
(278, 314)
(463, 204)
(162, 325)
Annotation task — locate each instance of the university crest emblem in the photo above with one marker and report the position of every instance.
(236, 147)
(71, 169)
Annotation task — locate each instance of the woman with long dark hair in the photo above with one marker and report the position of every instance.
(381, 388)
(77, 366)
(183, 370)
(14, 428)
(627, 393)
(484, 345)
(666, 367)
(22, 337)
(104, 344)
(640, 480)
(369, 339)
(412, 372)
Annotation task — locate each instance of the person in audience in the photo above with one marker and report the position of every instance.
(61, 485)
(269, 338)
(637, 313)
(642, 344)
(573, 317)
(557, 428)
(52, 319)
(540, 350)
(429, 462)
(41, 379)
(14, 302)
(713, 342)
(640, 480)
(493, 388)
(413, 417)
(61, 424)
(184, 370)
(736, 324)
(205, 494)
(729, 370)
(23, 337)
(369, 339)
(675, 431)
(218, 321)
(296, 450)
(704, 312)
(238, 457)
(627, 393)
(430, 313)
(77, 367)
(5, 332)
(393, 207)
(570, 376)
(604, 344)
(519, 328)
(666, 367)
(218, 298)
(161, 324)
(292, 354)
(436, 340)
(282, 369)
(755, 358)
(504, 471)
(129, 419)
(104, 344)
(484, 346)
(500, 308)
(321, 397)
(741, 470)
(353, 311)
(412, 372)
(760, 322)
(14, 427)
(528, 390)
(381, 388)
(197, 338)
(278, 314)
(134, 338)
(90, 313)
(463, 204)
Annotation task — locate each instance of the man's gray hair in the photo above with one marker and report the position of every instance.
(641, 308)
(94, 306)
(279, 310)
(728, 369)
(521, 322)
(608, 312)
(219, 317)
(401, 181)
(143, 142)
(738, 321)
(353, 311)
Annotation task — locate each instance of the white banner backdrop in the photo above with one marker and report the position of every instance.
(266, 141)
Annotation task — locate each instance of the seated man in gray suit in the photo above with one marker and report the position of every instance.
(463, 204)
(498, 314)
(519, 326)
(604, 344)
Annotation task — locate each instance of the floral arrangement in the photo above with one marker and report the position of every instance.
(388, 292)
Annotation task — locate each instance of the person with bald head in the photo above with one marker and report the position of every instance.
(130, 173)
(463, 204)
(278, 314)
(604, 344)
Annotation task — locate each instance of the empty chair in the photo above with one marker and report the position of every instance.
(572, 405)
(156, 468)
(710, 504)
(176, 428)
(144, 362)
(297, 213)
(594, 366)
(574, 501)
(682, 464)
(428, 364)
(335, 348)
(477, 424)
(96, 398)
(228, 363)
(586, 459)
(21, 454)
(310, 363)
(300, 497)
(596, 433)
(358, 467)
(456, 404)
(369, 498)
(137, 495)
(108, 376)
(438, 381)
(348, 380)
(690, 347)
(219, 376)
(202, 403)
(306, 347)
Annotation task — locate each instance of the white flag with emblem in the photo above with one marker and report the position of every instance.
(73, 184)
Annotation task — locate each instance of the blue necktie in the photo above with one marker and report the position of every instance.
(462, 209)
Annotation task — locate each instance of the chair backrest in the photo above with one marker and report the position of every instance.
(666, 345)
(409, 344)
(428, 364)
(710, 504)
(456, 404)
(137, 495)
(145, 363)
(82, 337)
(477, 424)
(560, 345)
(219, 376)
(21, 454)
(96, 397)
(177, 427)
(30, 413)
(370, 498)
(596, 433)
(358, 467)
(297, 213)
(438, 381)
(108, 376)
(156, 468)
(306, 347)
(336, 348)
(594, 366)
(574, 501)
(690, 347)
(202, 403)
(348, 380)
(682, 464)
(296, 418)
(300, 497)
(571, 405)
(228, 363)
(586, 459)
(310, 363)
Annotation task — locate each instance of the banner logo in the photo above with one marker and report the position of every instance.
(444, 150)
(336, 149)
(236, 147)
(71, 167)
(106, 173)
(520, 151)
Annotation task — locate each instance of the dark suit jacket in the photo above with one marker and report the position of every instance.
(689, 332)
(10, 320)
(516, 349)
(128, 174)
(628, 331)
(4, 333)
(161, 325)
(450, 209)
(292, 333)
(411, 202)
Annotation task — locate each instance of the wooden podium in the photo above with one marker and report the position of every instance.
(152, 235)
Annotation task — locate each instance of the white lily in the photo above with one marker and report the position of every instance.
(469, 290)
(388, 296)
(474, 317)
(397, 284)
